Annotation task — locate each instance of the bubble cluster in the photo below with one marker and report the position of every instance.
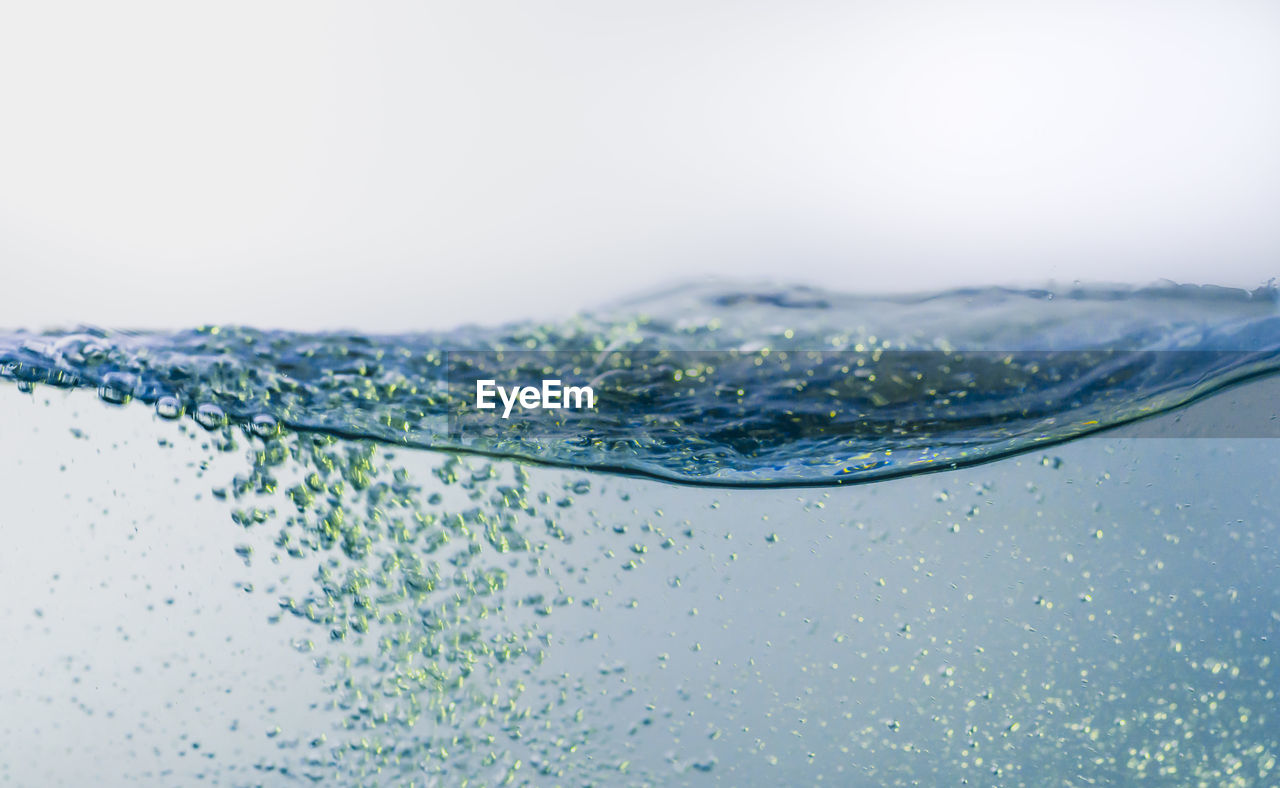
(432, 657)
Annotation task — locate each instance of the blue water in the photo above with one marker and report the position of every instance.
(882, 541)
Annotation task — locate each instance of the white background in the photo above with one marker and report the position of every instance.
(412, 165)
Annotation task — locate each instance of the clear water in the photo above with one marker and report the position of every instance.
(305, 563)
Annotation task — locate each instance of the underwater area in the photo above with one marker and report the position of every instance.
(978, 537)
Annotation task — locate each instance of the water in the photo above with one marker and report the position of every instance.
(307, 561)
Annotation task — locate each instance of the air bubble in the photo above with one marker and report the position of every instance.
(264, 426)
(210, 416)
(117, 387)
(168, 407)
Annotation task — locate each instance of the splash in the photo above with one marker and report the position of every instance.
(739, 386)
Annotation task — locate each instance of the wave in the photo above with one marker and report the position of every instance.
(739, 385)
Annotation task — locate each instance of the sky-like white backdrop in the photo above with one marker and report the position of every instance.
(402, 165)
